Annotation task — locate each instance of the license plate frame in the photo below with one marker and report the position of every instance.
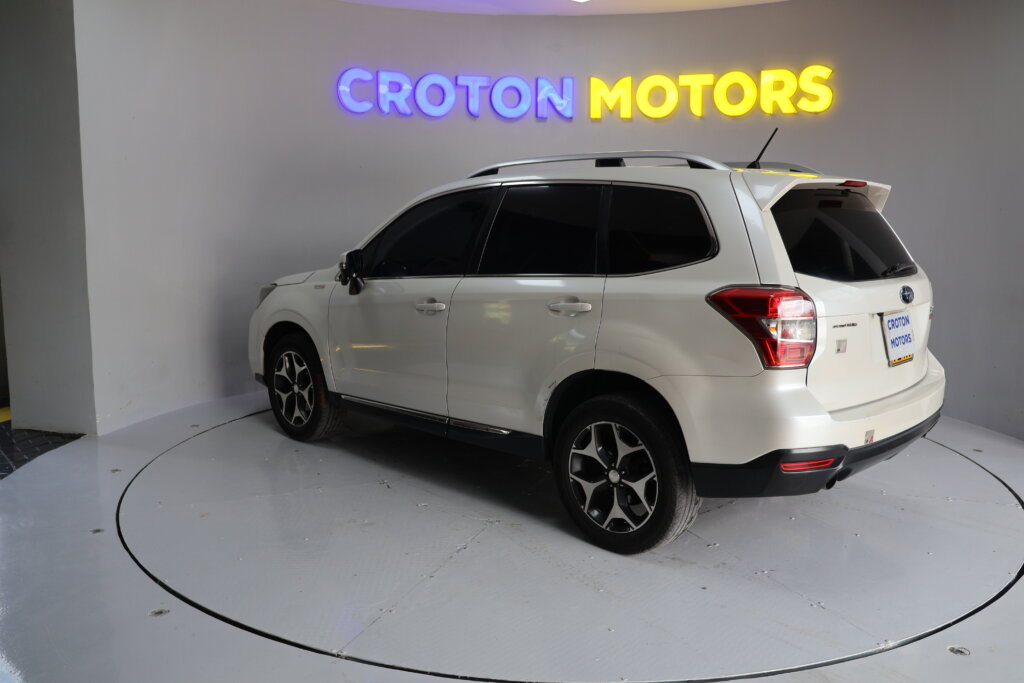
(898, 337)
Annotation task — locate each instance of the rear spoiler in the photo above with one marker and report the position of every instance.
(773, 166)
(767, 187)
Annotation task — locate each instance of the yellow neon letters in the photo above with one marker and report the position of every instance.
(620, 94)
(735, 93)
(696, 83)
(670, 99)
(748, 96)
(809, 78)
(777, 89)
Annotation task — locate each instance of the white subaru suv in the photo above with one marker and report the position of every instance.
(660, 330)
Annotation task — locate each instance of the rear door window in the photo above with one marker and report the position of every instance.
(653, 229)
(838, 235)
(544, 230)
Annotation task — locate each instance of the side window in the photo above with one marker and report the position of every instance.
(544, 230)
(651, 229)
(432, 238)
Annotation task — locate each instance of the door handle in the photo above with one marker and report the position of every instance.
(570, 306)
(430, 306)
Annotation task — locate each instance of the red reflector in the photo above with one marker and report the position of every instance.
(853, 183)
(781, 322)
(807, 465)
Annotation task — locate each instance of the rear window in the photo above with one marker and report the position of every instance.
(838, 235)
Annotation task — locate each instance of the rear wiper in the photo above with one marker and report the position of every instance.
(898, 269)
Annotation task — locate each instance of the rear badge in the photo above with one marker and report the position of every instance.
(869, 437)
(906, 294)
(840, 346)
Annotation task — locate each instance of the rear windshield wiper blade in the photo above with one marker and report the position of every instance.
(899, 269)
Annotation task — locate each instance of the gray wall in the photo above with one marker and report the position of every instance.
(42, 233)
(216, 157)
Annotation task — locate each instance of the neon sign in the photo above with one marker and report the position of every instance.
(435, 95)
(657, 96)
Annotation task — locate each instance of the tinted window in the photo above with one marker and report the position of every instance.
(432, 238)
(545, 230)
(837, 234)
(651, 229)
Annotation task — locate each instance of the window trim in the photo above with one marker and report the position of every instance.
(715, 243)
(603, 234)
(481, 229)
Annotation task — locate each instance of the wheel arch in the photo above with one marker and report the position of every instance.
(278, 331)
(585, 385)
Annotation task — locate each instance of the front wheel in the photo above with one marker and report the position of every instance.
(298, 392)
(622, 474)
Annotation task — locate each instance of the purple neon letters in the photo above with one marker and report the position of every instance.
(436, 95)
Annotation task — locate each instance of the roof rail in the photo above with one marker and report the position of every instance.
(775, 166)
(603, 159)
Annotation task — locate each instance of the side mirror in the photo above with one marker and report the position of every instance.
(351, 271)
(342, 275)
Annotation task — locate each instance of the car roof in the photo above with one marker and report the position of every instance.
(772, 179)
(766, 184)
(660, 174)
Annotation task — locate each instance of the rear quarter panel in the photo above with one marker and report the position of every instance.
(661, 323)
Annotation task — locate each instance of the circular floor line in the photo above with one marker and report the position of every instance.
(453, 676)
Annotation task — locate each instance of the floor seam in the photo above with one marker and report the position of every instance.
(884, 647)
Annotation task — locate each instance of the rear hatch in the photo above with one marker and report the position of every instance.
(873, 302)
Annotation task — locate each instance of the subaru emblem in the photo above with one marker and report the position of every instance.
(907, 294)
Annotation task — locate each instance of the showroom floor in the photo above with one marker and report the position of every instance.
(203, 545)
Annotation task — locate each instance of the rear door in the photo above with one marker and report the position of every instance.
(530, 316)
(873, 302)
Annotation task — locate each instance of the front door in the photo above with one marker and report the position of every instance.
(388, 342)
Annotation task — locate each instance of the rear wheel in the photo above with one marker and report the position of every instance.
(622, 474)
(298, 392)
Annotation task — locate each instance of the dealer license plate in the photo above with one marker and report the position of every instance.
(899, 337)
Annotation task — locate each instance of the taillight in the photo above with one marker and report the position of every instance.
(781, 322)
(853, 183)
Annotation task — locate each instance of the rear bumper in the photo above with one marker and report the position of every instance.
(765, 476)
(734, 420)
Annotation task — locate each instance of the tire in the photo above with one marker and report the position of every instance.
(623, 475)
(298, 392)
